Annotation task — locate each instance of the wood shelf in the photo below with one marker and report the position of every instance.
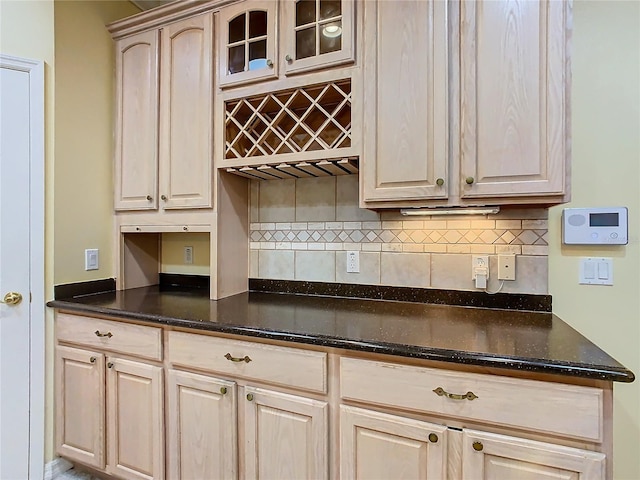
(319, 168)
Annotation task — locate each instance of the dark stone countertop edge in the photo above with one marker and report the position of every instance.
(597, 372)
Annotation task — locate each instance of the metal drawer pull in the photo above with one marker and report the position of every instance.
(250, 397)
(477, 446)
(454, 396)
(433, 438)
(108, 334)
(223, 390)
(93, 359)
(110, 365)
(237, 359)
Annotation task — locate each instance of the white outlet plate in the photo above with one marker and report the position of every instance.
(188, 255)
(353, 261)
(479, 261)
(91, 259)
(506, 267)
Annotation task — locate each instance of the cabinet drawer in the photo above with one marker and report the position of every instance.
(126, 338)
(292, 367)
(555, 408)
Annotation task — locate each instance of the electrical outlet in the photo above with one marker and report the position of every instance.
(506, 267)
(479, 263)
(91, 259)
(188, 255)
(353, 261)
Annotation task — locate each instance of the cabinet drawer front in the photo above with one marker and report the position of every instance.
(567, 410)
(109, 335)
(282, 365)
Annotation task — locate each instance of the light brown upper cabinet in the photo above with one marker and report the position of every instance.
(405, 149)
(136, 155)
(164, 119)
(247, 43)
(259, 40)
(514, 92)
(465, 103)
(317, 34)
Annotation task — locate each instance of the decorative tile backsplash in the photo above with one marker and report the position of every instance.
(301, 230)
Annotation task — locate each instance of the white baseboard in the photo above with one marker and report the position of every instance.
(56, 467)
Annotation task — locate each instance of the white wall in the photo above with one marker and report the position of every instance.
(606, 172)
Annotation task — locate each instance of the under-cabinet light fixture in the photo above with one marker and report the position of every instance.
(448, 211)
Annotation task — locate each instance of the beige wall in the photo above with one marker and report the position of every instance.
(606, 172)
(84, 136)
(82, 189)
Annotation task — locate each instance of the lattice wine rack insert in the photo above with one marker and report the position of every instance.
(312, 118)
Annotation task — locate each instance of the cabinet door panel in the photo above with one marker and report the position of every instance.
(405, 101)
(513, 69)
(317, 34)
(378, 445)
(202, 441)
(186, 116)
(136, 155)
(135, 420)
(285, 436)
(80, 394)
(489, 456)
(244, 41)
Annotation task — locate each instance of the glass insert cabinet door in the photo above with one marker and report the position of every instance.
(317, 34)
(246, 46)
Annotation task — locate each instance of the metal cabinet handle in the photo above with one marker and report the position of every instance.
(223, 390)
(185, 228)
(149, 198)
(433, 438)
(440, 182)
(288, 59)
(110, 365)
(93, 359)
(250, 397)
(12, 298)
(269, 63)
(477, 446)
(469, 180)
(108, 334)
(245, 359)
(163, 197)
(454, 396)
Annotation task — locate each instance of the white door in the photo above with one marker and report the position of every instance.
(21, 269)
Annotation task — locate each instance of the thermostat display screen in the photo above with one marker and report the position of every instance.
(603, 220)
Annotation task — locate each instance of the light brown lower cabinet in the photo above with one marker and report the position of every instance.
(242, 409)
(110, 413)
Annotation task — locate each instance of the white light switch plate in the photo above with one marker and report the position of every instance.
(596, 271)
(91, 259)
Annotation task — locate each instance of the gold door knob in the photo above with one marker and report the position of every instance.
(12, 298)
(433, 438)
(250, 397)
(440, 182)
(477, 446)
(469, 180)
(223, 390)
(288, 59)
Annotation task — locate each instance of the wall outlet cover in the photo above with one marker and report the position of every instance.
(353, 261)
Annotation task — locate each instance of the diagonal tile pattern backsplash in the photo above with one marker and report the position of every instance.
(301, 229)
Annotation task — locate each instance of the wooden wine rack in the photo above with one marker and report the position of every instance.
(314, 118)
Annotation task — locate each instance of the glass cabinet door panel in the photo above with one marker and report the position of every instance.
(237, 29)
(330, 9)
(317, 34)
(306, 43)
(249, 53)
(257, 24)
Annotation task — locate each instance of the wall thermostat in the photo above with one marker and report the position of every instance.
(595, 226)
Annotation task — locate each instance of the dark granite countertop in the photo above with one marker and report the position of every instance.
(509, 339)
